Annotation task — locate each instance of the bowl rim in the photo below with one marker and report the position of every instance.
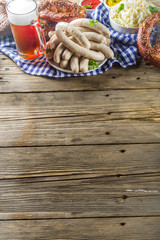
(111, 19)
(105, 3)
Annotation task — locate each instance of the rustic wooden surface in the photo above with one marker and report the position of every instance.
(80, 157)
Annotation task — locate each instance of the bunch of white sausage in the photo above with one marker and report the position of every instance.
(74, 44)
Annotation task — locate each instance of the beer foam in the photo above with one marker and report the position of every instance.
(22, 12)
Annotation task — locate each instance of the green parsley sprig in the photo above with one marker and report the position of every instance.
(48, 50)
(87, 6)
(92, 21)
(118, 56)
(121, 7)
(92, 65)
(153, 9)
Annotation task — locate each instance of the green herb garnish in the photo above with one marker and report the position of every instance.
(117, 56)
(92, 21)
(121, 7)
(153, 9)
(87, 6)
(92, 65)
(48, 50)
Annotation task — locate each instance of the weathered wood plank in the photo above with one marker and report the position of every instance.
(83, 196)
(81, 160)
(116, 104)
(80, 181)
(12, 79)
(112, 229)
(34, 118)
(78, 131)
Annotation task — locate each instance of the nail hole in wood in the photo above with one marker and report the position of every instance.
(122, 150)
(122, 223)
(124, 197)
(6, 69)
(1, 78)
(138, 78)
(109, 113)
(107, 133)
(107, 95)
(119, 175)
(113, 77)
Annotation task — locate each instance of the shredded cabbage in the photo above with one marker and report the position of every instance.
(133, 14)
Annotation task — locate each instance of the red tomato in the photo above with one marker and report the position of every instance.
(92, 3)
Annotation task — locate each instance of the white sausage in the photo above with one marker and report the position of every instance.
(53, 42)
(51, 33)
(85, 29)
(103, 48)
(67, 54)
(64, 64)
(81, 38)
(75, 48)
(90, 31)
(84, 65)
(58, 53)
(74, 64)
(93, 36)
(85, 22)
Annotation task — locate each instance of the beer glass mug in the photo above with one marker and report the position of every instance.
(24, 22)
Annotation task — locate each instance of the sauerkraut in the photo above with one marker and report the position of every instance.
(131, 13)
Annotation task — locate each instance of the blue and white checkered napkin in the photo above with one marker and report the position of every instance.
(123, 45)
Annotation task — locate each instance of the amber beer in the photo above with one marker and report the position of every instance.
(23, 17)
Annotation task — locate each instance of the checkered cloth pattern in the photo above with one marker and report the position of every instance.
(124, 47)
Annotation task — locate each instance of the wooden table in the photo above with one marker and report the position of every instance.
(80, 157)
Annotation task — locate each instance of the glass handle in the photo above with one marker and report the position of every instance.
(41, 36)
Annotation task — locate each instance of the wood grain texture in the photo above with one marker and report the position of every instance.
(117, 104)
(115, 160)
(71, 131)
(12, 79)
(79, 157)
(83, 195)
(60, 229)
(97, 117)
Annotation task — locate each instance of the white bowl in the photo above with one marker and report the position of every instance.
(119, 28)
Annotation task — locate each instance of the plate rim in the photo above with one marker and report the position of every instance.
(56, 66)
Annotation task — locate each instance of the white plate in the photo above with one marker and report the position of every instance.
(55, 65)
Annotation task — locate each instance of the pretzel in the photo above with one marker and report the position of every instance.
(150, 54)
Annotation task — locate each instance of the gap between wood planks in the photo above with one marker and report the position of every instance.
(74, 145)
(94, 174)
(76, 90)
(87, 115)
(48, 216)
